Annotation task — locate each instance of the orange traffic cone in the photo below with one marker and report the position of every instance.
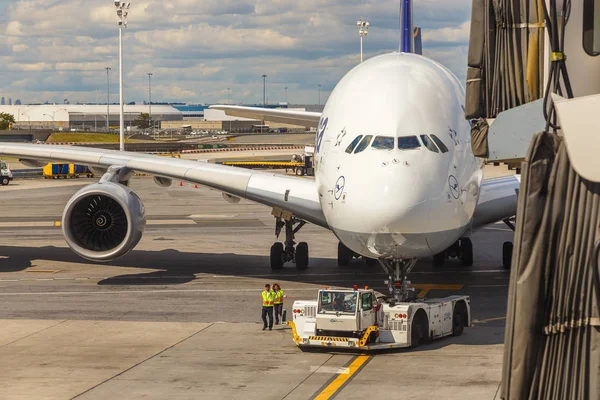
(180, 183)
(195, 186)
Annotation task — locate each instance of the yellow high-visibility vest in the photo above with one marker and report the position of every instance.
(268, 298)
(278, 297)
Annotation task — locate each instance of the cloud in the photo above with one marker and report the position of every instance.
(52, 49)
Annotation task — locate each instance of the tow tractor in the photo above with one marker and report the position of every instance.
(358, 319)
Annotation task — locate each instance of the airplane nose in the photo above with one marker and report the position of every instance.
(388, 211)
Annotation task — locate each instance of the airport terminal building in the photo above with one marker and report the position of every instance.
(83, 117)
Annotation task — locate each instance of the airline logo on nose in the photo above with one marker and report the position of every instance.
(339, 187)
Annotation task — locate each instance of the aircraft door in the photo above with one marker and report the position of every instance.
(367, 311)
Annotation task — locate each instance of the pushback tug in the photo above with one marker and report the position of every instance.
(357, 319)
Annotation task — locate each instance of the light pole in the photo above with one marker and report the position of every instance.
(228, 103)
(286, 99)
(264, 91)
(107, 99)
(319, 86)
(363, 30)
(122, 12)
(150, 96)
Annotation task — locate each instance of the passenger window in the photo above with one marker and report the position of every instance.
(352, 145)
(408, 143)
(429, 144)
(591, 27)
(383, 143)
(363, 144)
(367, 301)
(439, 143)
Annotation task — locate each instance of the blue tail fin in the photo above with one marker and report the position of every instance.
(418, 43)
(406, 27)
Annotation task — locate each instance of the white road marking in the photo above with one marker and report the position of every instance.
(330, 370)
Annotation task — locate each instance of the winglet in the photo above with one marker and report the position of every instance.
(418, 43)
(406, 27)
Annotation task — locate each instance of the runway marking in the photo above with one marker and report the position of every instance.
(41, 271)
(426, 287)
(483, 321)
(333, 387)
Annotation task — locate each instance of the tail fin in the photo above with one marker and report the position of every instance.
(417, 38)
(406, 27)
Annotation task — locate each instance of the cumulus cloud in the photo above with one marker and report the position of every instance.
(196, 50)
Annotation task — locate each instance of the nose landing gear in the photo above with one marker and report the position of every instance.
(462, 249)
(287, 251)
(397, 271)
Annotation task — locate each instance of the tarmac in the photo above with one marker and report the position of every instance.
(179, 316)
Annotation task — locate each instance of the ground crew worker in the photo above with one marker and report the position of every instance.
(278, 303)
(268, 297)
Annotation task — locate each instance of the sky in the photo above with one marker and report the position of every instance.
(52, 50)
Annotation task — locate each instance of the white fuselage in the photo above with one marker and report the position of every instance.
(397, 202)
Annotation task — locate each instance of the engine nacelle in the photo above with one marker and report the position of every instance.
(103, 221)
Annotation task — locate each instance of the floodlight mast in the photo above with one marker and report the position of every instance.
(122, 13)
(363, 30)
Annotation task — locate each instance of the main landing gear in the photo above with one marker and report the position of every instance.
(397, 271)
(284, 252)
(462, 249)
(507, 247)
(345, 255)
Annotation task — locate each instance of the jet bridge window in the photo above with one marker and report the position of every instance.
(383, 143)
(408, 143)
(363, 144)
(439, 143)
(429, 143)
(352, 145)
(591, 27)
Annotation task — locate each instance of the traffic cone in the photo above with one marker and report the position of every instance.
(180, 183)
(195, 186)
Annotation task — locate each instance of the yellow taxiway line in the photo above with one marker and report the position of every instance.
(342, 379)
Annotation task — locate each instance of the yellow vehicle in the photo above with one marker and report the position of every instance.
(60, 170)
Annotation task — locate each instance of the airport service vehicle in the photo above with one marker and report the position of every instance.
(395, 175)
(357, 319)
(5, 173)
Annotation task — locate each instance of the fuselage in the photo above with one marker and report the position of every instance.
(394, 168)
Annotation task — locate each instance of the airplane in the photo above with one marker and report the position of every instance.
(395, 176)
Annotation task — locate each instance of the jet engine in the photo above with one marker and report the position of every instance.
(103, 221)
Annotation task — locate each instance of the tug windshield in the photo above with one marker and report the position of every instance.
(331, 302)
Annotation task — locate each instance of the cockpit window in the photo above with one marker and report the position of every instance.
(363, 144)
(429, 143)
(408, 143)
(383, 143)
(352, 145)
(439, 143)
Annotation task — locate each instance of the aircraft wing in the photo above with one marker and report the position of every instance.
(301, 118)
(497, 200)
(293, 194)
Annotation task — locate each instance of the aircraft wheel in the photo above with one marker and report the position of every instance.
(302, 255)
(344, 255)
(507, 250)
(459, 319)
(466, 251)
(277, 255)
(439, 259)
(371, 262)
